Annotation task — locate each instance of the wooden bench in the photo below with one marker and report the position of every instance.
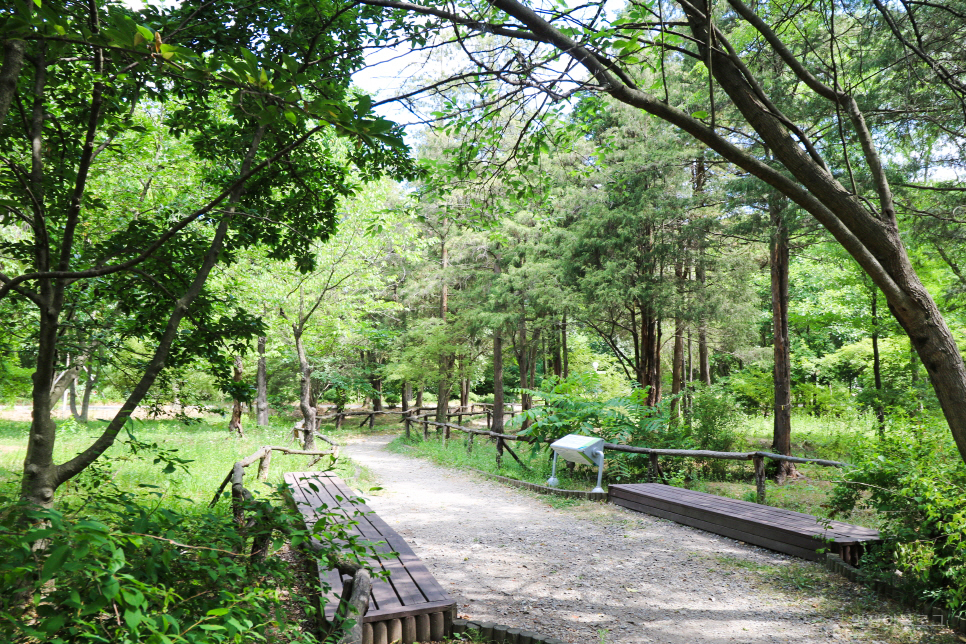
(790, 532)
(411, 606)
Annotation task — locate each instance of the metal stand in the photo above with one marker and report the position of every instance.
(553, 481)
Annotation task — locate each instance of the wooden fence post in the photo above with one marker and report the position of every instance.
(656, 472)
(263, 465)
(489, 420)
(407, 421)
(425, 429)
(372, 421)
(760, 476)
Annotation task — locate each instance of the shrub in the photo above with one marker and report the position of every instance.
(128, 572)
(917, 483)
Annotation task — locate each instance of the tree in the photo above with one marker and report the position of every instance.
(830, 64)
(75, 79)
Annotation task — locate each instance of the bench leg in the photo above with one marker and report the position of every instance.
(437, 629)
(379, 633)
(367, 634)
(409, 630)
(422, 628)
(395, 631)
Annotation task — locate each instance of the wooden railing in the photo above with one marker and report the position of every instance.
(758, 457)
(240, 494)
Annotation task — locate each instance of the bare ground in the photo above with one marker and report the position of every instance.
(589, 572)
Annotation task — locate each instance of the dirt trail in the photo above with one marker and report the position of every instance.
(594, 572)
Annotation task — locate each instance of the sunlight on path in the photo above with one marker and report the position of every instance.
(510, 558)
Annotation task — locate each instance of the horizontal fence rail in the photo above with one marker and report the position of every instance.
(757, 457)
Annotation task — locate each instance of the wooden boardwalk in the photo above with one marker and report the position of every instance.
(411, 606)
(790, 532)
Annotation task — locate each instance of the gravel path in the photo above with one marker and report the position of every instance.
(591, 573)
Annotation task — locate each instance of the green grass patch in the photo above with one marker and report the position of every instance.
(207, 445)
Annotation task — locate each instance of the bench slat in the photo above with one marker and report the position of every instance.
(410, 590)
(775, 528)
(401, 588)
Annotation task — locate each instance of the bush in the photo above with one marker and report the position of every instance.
(128, 572)
(916, 481)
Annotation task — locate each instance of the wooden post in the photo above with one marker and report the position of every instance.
(489, 420)
(263, 465)
(407, 421)
(425, 429)
(469, 444)
(372, 421)
(656, 472)
(760, 477)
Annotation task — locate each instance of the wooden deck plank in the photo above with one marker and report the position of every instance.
(383, 594)
(374, 529)
(798, 538)
(410, 590)
(791, 532)
(774, 516)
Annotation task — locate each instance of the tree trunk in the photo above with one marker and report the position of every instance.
(498, 402)
(261, 386)
(405, 391)
(305, 392)
(704, 359)
(442, 400)
(877, 364)
(782, 438)
(88, 389)
(563, 341)
(419, 396)
(377, 396)
(72, 398)
(235, 424)
(677, 367)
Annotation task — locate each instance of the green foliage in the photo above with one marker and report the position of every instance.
(122, 568)
(713, 417)
(914, 479)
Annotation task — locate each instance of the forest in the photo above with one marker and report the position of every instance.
(677, 224)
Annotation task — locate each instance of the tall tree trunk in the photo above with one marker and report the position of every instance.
(72, 397)
(498, 400)
(261, 386)
(556, 358)
(235, 424)
(650, 359)
(704, 359)
(405, 394)
(305, 392)
(677, 359)
(563, 342)
(877, 364)
(442, 399)
(419, 396)
(782, 377)
(377, 396)
(92, 374)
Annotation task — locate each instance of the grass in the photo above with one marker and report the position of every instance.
(483, 457)
(207, 445)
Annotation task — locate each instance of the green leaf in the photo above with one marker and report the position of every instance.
(146, 33)
(54, 563)
(700, 114)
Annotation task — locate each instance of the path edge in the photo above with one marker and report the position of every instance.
(542, 489)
